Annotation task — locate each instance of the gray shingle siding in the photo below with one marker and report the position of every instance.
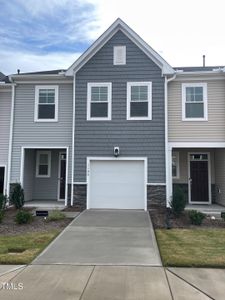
(135, 138)
(26, 132)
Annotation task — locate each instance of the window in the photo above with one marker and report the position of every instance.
(175, 165)
(194, 101)
(43, 164)
(46, 103)
(139, 100)
(99, 101)
(119, 55)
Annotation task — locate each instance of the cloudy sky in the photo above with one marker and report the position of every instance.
(51, 34)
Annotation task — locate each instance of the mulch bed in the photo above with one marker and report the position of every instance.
(159, 217)
(39, 224)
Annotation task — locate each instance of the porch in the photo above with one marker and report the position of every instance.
(44, 176)
(200, 173)
(214, 210)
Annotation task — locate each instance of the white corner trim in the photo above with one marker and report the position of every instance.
(141, 83)
(205, 101)
(168, 152)
(109, 100)
(37, 89)
(10, 141)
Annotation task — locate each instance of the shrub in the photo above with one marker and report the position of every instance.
(178, 202)
(17, 196)
(55, 215)
(23, 217)
(1, 215)
(3, 200)
(196, 217)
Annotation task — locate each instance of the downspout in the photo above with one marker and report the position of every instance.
(168, 175)
(73, 138)
(10, 141)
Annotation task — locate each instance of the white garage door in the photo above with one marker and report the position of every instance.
(116, 184)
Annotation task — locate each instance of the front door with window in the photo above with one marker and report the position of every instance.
(62, 176)
(2, 179)
(199, 179)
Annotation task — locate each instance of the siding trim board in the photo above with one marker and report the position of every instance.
(37, 147)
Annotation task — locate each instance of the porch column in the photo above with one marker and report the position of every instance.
(169, 178)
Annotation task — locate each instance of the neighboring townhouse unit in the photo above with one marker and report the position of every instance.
(196, 108)
(5, 120)
(69, 124)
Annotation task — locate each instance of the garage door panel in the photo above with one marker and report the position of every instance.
(117, 184)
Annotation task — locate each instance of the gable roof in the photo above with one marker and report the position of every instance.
(133, 36)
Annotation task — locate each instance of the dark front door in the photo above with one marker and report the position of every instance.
(2, 179)
(199, 181)
(62, 176)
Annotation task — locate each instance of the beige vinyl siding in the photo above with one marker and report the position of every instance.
(212, 130)
(183, 164)
(220, 175)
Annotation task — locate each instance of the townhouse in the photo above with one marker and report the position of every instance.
(196, 141)
(120, 128)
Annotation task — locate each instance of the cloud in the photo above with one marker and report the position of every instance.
(44, 24)
(30, 62)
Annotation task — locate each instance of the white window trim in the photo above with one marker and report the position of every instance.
(177, 154)
(37, 89)
(115, 63)
(38, 161)
(149, 85)
(205, 101)
(99, 84)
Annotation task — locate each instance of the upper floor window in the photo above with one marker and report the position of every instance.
(175, 165)
(43, 164)
(194, 99)
(139, 101)
(46, 103)
(119, 55)
(99, 97)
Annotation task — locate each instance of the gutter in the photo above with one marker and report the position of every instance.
(167, 159)
(73, 138)
(10, 141)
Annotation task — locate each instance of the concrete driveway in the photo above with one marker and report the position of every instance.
(105, 237)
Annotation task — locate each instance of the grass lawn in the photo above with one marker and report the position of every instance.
(22, 249)
(192, 247)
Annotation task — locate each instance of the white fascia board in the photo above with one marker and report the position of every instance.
(21, 77)
(100, 42)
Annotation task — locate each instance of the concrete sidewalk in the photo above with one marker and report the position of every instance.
(105, 237)
(57, 282)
